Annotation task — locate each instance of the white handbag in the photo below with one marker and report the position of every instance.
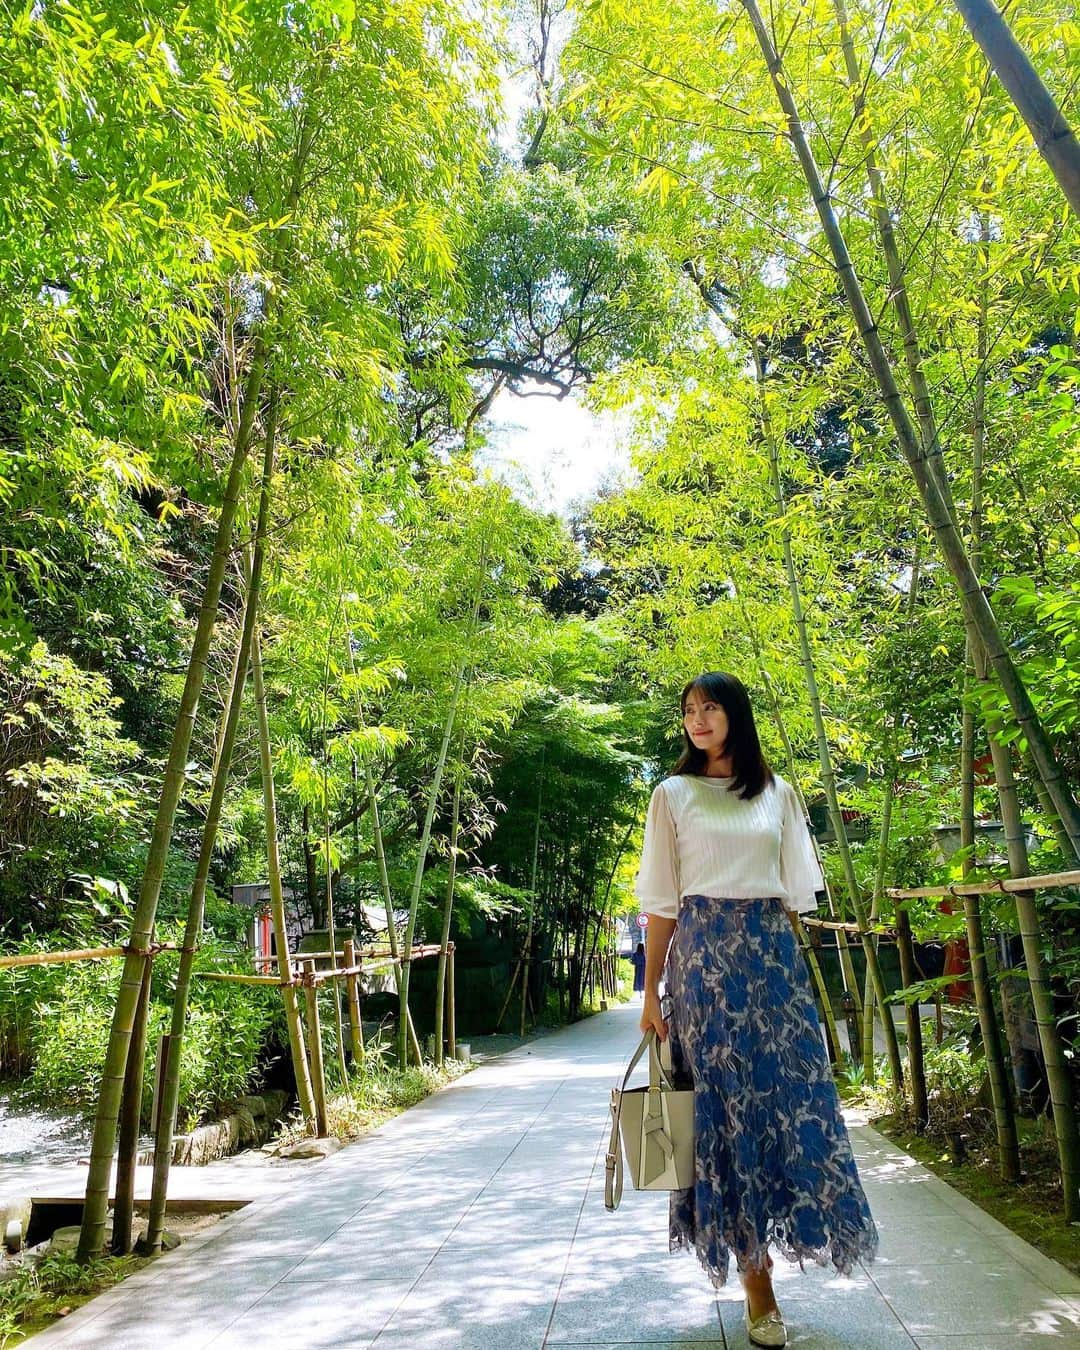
(656, 1124)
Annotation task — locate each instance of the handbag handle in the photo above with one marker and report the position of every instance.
(659, 1078)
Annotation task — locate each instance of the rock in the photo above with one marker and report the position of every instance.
(15, 1208)
(169, 1243)
(254, 1104)
(67, 1239)
(13, 1236)
(276, 1101)
(310, 1148)
(249, 1133)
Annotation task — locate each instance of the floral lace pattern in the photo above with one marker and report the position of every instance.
(774, 1162)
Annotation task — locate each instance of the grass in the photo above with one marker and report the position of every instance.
(377, 1093)
(39, 1293)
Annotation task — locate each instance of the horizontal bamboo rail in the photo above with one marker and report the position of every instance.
(1045, 882)
(881, 929)
(80, 954)
(230, 977)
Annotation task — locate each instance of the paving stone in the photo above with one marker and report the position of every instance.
(475, 1221)
(987, 1298)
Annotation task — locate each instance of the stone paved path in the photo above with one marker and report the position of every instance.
(476, 1220)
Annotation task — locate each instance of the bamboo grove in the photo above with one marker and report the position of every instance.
(266, 277)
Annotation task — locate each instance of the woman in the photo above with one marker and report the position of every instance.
(726, 867)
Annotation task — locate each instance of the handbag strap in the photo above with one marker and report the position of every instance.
(659, 1078)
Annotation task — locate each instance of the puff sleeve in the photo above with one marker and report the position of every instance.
(800, 872)
(657, 885)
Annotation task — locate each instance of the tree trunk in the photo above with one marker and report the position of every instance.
(1054, 138)
(976, 607)
(92, 1235)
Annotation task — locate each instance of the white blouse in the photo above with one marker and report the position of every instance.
(702, 838)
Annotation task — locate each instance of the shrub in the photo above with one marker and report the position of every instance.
(59, 1017)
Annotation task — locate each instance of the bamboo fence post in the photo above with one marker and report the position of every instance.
(352, 984)
(128, 1133)
(318, 1068)
(451, 999)
(916, 1067)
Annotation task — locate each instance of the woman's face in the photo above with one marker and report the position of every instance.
(706, 722)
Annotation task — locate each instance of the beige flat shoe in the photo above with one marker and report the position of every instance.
(766, 1330)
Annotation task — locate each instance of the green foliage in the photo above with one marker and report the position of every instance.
(36, 1292)
(55, 1020)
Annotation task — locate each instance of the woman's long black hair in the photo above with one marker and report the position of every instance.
(749, 766)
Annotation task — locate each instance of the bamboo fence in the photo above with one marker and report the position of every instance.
(303, 976)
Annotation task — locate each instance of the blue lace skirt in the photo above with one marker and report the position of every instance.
(774, 1162)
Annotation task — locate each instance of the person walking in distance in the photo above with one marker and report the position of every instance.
(638, 962)
(726, 867)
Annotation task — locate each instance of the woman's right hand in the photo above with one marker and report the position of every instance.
(652, 1019)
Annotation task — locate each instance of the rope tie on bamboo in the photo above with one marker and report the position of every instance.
(150, 951)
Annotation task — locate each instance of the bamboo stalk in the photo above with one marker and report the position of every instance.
(451, 999)
(388, 899)
(331, 926)
(809, 954)
(916, 1066)
(128, 1134)
(297, 1050)
(977, 609)
(806, 656)
(425, 840)
(318, 1069)
(1054, 139)
(1004, 1119)
(92, 1234)
(526, 954)
(356, 1027)
(170, 1088)
(448, 906)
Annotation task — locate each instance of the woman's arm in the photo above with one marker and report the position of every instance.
(657, 941)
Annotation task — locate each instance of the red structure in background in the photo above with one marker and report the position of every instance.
(957, 962)
(263, 942)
